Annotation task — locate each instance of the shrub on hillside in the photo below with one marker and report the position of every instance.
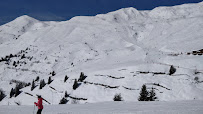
(63, 101)
(12, 93)
(66, 78)
(152, 95)
(53, 73)
(33, 85)
(196, 79)
(49, 80)
(75, 85)
(42, 84)
(2, 94)
(82, 77)
(172, 70)
(37, 79)
(117, 97)
(17, 90)
(66, 94)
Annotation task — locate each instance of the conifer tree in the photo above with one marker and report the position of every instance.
(33, 85)
(117, 97)
(37, 78)
(42, 84)
(82, 77)
(172, 70)
(63, 101)
(2, 94)
(143, 94)
(66, 78)
(17, 90)
(12, 92)
(75, 85)
(53, 73)
(49, 80)
(152, 95)
(66, 94)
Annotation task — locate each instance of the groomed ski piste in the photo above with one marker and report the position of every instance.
(161, 107)
(118, 52)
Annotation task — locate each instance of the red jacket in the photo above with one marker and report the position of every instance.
(39, 103)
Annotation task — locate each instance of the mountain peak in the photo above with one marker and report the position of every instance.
(25, 18)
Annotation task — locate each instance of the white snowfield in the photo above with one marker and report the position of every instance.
(175, 107)
(118, 52)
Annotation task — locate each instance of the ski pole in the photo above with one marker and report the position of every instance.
(34, 109)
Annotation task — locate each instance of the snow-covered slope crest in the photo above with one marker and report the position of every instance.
(118, 52)
(19, 26)
(132, 14)
(181, 11)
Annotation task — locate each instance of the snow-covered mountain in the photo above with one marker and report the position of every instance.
(118, 52)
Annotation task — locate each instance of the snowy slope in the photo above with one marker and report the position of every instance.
(177, 107)
(111, 49)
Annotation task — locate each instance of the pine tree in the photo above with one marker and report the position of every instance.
(143, 94)
(66, 94)
(49, 80)
(17, 90)
(12, 92)
(63, 101)
(37, 78)
(117, 97)
(172, 70)
(53, 73)
(66, 78)
(75, 85)
(152, 95)
(42, 84)
(2, 94)
(33, 85)
(82, 77)
(14, 63)
(23, 56)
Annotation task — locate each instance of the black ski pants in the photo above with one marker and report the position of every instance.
(39, 111)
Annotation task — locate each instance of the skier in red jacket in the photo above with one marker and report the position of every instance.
(39, 104)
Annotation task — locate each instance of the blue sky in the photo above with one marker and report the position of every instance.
(66, 9)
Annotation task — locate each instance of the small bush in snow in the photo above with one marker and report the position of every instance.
(12, 93)
(42, 84)
(2, 94)
(23, 56)
(17, 90)
(33, 85)
(82, 77)
(66, 94)
(152, 95)
(63, 101)
(117, 97)
(53, 73)
(66, 78)
(196, 79)
(14, 64)
(75, 85)
(172, 70)
(37, 79)
(49, 80)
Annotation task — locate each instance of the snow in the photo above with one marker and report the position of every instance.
(118, 44)
(180, 107)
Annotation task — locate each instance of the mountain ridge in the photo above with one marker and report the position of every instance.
(126, 43)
